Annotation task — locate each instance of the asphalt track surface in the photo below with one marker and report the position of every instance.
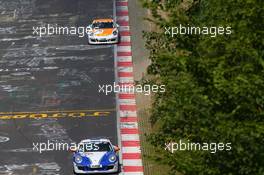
(47, 82)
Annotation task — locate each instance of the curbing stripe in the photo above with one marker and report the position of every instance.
(122, 9)
(132, 162)
(124, 28)
(126, 80)
(122, 18)
(123, 23)
(128, 119)
(130, 141)
(125, 74)
(125, 69)
(129, 125)
(128, 113)
(134, 149)
(129, 137)
(133, 169)
(122, 3)
(124, 64)
(128, 107)
(129, 131)
(122, 13)
(133, 173)
(125, 114)
(131, 156)
(124, 59)
(125, 38)
(127, 101)
(126, 96)
(120, 54)
(125, 33)
(124, 49)
(123, 43)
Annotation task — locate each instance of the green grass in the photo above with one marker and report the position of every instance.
(150, 166)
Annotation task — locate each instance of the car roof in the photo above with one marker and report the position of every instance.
(103, 20)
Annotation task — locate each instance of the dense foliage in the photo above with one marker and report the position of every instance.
(214, 85)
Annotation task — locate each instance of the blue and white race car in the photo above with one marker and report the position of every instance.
(95, 156)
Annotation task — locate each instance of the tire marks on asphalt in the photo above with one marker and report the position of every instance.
(51, 168)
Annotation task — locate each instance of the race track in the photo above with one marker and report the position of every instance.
(49, 84)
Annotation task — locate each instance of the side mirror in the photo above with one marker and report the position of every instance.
(117, 25)
(116, 148)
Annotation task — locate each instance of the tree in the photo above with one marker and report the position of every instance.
(214, 85)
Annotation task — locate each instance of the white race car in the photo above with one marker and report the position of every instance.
(103, 31)
(95, 156)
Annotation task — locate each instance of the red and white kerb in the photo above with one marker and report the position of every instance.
(130, 143)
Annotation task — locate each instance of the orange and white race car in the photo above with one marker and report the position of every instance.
(103, 31)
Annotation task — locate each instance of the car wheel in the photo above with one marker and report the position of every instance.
(118, 39)
(119, 168)
(88, 41)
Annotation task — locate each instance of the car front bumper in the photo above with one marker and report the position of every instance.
(106, 40)
(87, 170)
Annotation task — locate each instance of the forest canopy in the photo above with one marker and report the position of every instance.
(214, 85)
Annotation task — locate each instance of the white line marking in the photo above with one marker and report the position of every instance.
(126, 80)
(124, 28)
(128, 113)
(124, 49)
(129, 125)
(131, 150)
(123, 18)
(133, 173)
(130, 137)
(125, 69)
(121, 8)
(124, 58)
(125, 38)
(132, 162)
(127, 101)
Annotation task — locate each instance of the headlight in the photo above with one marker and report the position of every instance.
(112, 158)
(91, 34)
(114, 32)
(78, 159)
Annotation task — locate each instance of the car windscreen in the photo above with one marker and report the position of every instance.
(103, 25)
(95, 147)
